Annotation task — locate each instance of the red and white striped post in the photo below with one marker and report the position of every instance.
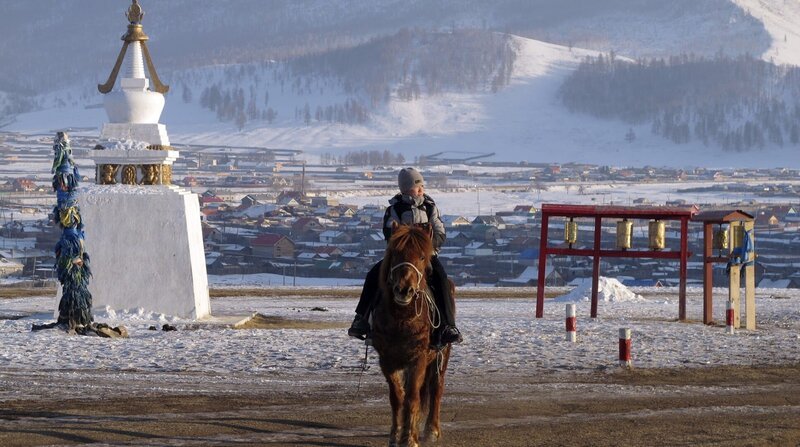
(625, 348)
(572, 323)
(729, 315)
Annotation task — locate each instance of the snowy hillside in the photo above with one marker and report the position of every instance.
(523, 121)
(194, 33)
(781, 18)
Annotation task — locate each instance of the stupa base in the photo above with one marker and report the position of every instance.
(147, 252)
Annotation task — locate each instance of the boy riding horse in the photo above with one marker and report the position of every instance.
(412, 207)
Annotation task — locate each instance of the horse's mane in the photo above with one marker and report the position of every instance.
(407, 238)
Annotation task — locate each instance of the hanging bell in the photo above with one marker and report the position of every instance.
(737, 236)
(624, 233)
(570, 231)
(721, 239)
(657, 235)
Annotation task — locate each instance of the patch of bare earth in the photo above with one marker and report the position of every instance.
(354, 292)
(738, 406)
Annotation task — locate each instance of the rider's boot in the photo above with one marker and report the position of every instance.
(359, 328)
(451, 334)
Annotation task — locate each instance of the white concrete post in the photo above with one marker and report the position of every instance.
(572, 324)
(625, 348)
(729, 317)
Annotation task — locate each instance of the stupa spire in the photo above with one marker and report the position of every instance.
(135, 13)
(136, 38)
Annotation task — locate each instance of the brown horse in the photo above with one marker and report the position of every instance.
(401, 333)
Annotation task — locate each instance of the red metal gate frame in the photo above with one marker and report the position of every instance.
(683, 214)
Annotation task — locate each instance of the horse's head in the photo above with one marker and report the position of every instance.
(408, 256)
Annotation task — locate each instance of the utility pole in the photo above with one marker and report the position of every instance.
(478, 189)
(303, 181)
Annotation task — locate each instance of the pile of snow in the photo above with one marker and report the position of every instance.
(131, 316)
(608, 290)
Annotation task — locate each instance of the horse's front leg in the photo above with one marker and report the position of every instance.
(432, 429)
(396, 396)
(415, 374)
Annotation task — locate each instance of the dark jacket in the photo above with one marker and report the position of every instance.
(407, 210)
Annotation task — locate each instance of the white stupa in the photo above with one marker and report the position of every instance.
(133, 110)
(142, 233)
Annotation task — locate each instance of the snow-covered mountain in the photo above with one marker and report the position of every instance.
(79, 36)
(523, 120)
(781, 18)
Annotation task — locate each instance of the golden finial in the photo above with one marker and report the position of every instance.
(135, 13)
(135, 34)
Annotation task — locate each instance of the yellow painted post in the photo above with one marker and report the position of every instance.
(734, 295)
(750, 284)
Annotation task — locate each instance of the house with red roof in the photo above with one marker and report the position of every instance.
(271, 245)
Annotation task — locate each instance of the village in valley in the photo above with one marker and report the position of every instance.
(619, 187)
(266, 211)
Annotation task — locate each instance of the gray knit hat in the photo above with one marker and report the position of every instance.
(409, 178)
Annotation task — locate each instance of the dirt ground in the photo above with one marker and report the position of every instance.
(730, 406)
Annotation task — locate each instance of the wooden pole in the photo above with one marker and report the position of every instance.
(750, 284)
(708, 273)
(684, 262)
(596, 265)
(542, 263)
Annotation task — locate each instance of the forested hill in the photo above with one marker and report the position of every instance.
(416, 62)
(737, 104)
(345, 85)
(82, 37)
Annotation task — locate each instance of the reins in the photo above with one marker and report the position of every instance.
(364, 367)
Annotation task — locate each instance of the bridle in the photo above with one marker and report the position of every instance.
(397, 266)
(415, 291)
(434, 316)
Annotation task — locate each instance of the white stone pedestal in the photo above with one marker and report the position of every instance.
(152, 133)
(132, 157)
(146, 249)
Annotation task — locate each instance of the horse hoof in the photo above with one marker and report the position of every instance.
(431, 435)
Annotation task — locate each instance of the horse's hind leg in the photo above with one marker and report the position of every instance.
(395, 381)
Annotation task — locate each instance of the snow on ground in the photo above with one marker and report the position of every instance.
(501, 336)
(268, 279)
